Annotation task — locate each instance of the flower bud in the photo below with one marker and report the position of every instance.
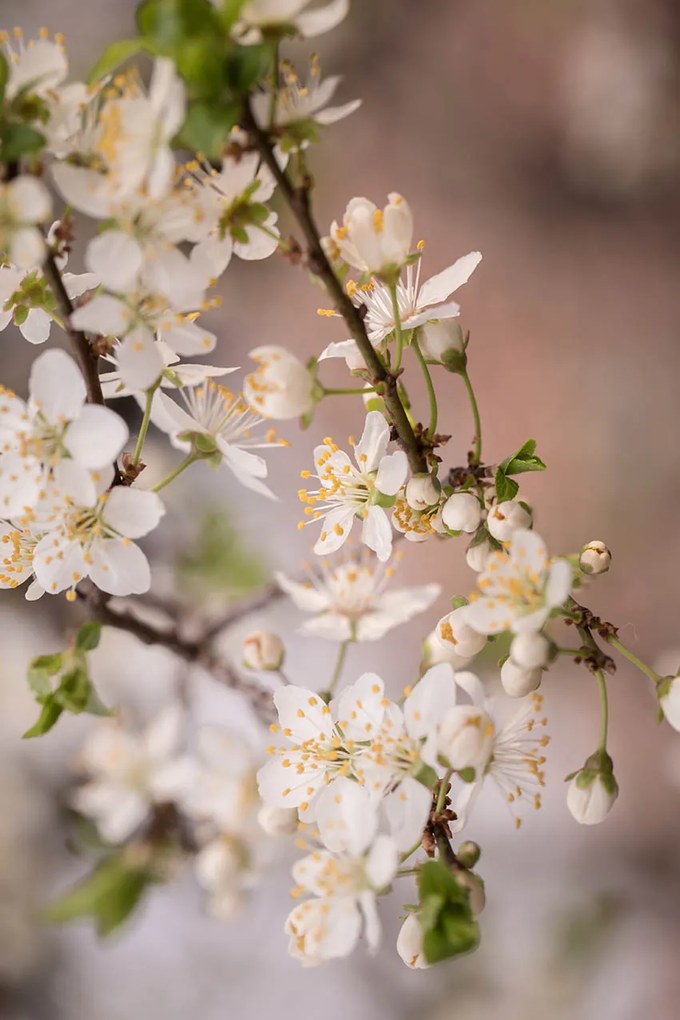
(422, 491)
(281, 387)
(468, 853)
(454, 629)
(518, 681)
(441, 338)
(593, 790)
(462, 512)
(263, 650)
(466, 738)
(436, 650)
(277, 821)
(506, 518)
(477, 555)
(531, 650)
(668, 692)
(595, 558)
(410, 943)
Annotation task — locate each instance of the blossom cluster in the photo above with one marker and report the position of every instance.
(370, 781)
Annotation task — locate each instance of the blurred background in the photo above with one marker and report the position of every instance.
(547, 135)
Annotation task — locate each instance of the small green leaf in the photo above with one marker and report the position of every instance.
(115, 55)
(88, 636)
(4, 75)
(247, 65)
(17, 140)
(41, 669)
(506, 488)
(206, 128)
(51, 711)
(74, 691)
(524, 460)
(108, 895)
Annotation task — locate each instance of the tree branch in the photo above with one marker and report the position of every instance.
(298, 201)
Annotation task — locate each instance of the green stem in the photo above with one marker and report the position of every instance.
(477, 452)
(441, 795)
(569, 651)
(339, 663)
(275, 84)
(432, 396)
(398, 331)
(408, 853)
(188, 460)
(604, 702)
(332, 391)
(144, 427)
(632, 657)
(405, 872)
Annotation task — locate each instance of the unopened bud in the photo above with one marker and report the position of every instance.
(440, 339)
(593, 790)
(518, 681)
(436, 650)
(668, 692)
(506, 518)
(410, 943)
(277, 821)
(263, 650)
(456, 631)
(595, 558)
(531, 650)
(477, 555)
(422, 492)
(475, 886)
(468, 853)
(462, 512)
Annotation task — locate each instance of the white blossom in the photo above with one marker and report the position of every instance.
(55, 424)
(591, 797)
(669, 700)
(372, 240)
(263, 650)
(350, 602)
(127, 773)
(257, 16)
(410, 943)
(455, 630)
(356, 490)
(24, 204)
(281, 387)
(518, 681)
(595, 558)
(518, 587)
(296, 103)
(531, 650)
(462, 512)
(506, 518)
(422, 492)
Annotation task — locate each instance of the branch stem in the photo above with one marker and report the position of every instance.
(477, 450)
(431, 394)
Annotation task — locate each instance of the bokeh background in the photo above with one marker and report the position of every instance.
(548, 136)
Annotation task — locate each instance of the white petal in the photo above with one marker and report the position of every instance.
(382, 862)
(56, 387)
(103, 315)
(371, 448)
(96, 437)
(36, 328)
(433, 695)
(27, 247)
(303, 713)
(392, 473)
(439, 287)
(407, 809)
(335, 529)
(322, 19)
(139, 359)
(119, 567)
(305, 596)
(346, 817)
(133, 512)
(29, 199)
(116, 259)
(560, 580)
(376, 533)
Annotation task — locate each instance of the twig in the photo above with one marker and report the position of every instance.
(298, 200)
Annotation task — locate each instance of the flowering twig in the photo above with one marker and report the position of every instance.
(298, 201)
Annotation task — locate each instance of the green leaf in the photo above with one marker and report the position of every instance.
(449, 927)
(41, 669)
(88, 636)
(506, 488)
(246, 66)
(220, 560)
(51, 711)
(169, 23)
(115, 55)
(108, 895)
(17, 140)
(73, 693)
(206, 128)
(522, 461)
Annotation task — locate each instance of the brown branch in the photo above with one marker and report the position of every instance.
(85, 356)
(195, 651)
(298, 201)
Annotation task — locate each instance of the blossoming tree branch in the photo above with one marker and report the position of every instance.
(183, 148)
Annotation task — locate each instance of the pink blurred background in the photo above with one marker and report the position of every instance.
(545, 135)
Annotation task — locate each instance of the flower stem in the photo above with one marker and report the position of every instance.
(642, 666)
(398, 331)
(604, 702)
(332, 391)
(477, 452)
(339, 663)
(409, 853)
(144, 427)
(188, 460)
(432, 396)
(443, 786)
